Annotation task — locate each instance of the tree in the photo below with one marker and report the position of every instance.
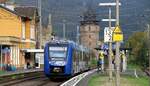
(138, 43)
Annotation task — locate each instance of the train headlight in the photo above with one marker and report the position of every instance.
(52, 62)
(63, 63)
(60, 63)
(56, 69)
(57, 63)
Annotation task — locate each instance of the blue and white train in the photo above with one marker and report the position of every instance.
(65, 58)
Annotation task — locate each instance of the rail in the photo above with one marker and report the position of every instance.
(75, 80)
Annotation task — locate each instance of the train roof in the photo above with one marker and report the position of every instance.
(74, 44)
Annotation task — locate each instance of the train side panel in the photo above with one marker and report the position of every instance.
(68, 67)
(46, 60)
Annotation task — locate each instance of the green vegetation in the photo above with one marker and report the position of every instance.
(139, 54)
(22, 75)
(98, 80)
(93, 62)
(2, 72)
(14, 77)
(134, 66)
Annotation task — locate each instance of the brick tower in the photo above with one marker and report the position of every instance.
(89, 30)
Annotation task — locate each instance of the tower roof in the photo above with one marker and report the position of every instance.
(89, 17)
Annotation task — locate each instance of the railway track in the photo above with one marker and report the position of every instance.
(8, 78)
(29, 79)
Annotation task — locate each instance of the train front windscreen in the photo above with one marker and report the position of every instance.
(57, 53)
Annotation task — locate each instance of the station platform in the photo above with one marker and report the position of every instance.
(126, 79)
(19, 71)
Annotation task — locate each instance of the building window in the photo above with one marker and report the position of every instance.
(89, 28)
(32, 32)
(23, 30)
(90, 43)
(89, 36)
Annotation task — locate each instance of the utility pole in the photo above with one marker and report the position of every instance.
(50, 26)
(64, 29)
(148, 37)
(110, 48)
(117, 59)
(40, 23)
(77, 39)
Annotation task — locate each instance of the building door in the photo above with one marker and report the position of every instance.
(39, 59)
(4, 56)
(28, 60)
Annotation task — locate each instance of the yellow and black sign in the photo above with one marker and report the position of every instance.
(117, 34)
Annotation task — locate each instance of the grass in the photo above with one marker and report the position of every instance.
(96, 80)
(141, 81)
(133, 66)
(101, 80)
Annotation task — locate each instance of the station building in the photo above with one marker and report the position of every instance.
(29, 33)
(18, 31)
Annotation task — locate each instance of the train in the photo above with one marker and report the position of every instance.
(65, 58)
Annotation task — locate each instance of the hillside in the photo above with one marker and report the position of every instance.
(134, 14)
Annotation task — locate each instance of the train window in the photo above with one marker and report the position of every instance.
(84, 57)
(80, 56)
(74, 55)
(77, 56)
(57, 53)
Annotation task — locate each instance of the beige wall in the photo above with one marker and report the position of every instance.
(89, 35)
(10, 24)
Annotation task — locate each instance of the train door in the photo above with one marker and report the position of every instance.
(74, 62)
(78, 61)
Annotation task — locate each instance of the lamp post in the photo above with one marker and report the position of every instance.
(110, 48)
(78, 34)
(40, 23)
